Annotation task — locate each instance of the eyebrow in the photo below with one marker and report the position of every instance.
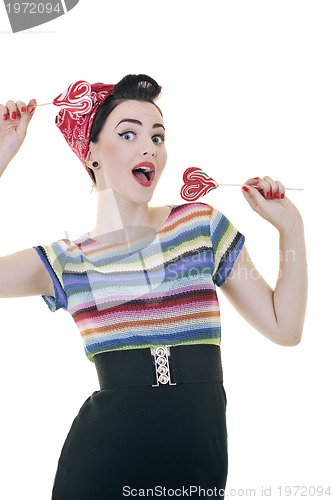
(131, 120)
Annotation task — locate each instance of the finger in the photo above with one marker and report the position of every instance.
(262, 185)
(12, 110)
(253, 181)
(3, 112)
(281, 188)
(254, 198)
(32, 106)
(26, 116)
(22, 107)
(273, 191)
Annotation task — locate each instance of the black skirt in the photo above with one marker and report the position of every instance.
(146, 441)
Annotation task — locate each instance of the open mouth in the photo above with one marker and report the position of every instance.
(144, 173)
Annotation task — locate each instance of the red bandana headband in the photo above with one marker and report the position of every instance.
(81, 102)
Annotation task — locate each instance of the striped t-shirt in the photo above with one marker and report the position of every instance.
(159, 289)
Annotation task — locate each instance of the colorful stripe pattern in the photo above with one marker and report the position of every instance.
(161, 289)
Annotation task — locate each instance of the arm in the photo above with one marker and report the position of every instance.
(278, 314)
(22, 273)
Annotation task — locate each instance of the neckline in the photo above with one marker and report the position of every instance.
(86, 236)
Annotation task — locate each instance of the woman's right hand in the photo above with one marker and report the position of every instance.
(14, 120)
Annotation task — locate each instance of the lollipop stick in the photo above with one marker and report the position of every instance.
(230, 184)
(35, 106)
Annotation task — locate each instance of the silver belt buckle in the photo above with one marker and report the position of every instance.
(162, 369)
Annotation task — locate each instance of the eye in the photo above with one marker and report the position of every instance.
(158, 139)
(128, 135)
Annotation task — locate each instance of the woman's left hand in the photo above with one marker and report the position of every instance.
(267, 198)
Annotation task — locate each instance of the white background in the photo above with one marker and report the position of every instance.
(247, 91)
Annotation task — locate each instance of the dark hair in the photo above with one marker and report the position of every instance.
(131, 87)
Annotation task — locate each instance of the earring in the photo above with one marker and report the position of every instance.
(94, 164)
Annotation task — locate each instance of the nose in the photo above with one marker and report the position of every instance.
(149, 148)
(147, 153)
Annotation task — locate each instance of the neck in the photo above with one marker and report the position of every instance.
(115, 213)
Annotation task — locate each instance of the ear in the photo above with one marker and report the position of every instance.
(89, 157)
(92, 152)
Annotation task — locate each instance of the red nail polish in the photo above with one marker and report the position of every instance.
(268, 195)
(23, 110)
(32, 110)
(276, 195)
(245, 188)
(5, 116)
(256, 178)
(282, 196)
(13, 115)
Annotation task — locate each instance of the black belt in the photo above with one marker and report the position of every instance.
(159, 366)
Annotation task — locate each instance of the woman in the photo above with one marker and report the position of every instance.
(141, 287)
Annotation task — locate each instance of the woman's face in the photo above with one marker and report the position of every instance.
(131, 151)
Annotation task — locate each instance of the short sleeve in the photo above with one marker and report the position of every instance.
(54, 259)
(227, 243)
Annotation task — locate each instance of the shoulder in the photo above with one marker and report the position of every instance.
(192, 216)
(194, 209)
(61, 249)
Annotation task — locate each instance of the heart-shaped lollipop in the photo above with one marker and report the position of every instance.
(76, 98)
(196, 184)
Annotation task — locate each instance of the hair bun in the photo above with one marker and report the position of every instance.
(138, 87)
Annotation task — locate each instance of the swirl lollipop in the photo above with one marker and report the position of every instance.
(76, 98)
(197, 183)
